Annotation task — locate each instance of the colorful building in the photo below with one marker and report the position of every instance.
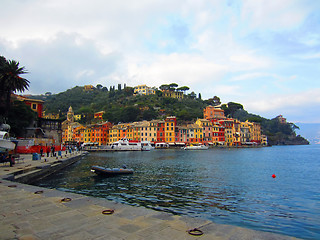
(228, 130)
(218, 137)
(236, 133)
(161, 131)
(211, 112)
(195, 133)
(245, 133)
(206, 126)
(99, 115)
(144, 90)
(172, 94)
(170, 129)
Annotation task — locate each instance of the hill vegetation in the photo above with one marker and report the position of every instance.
(121, 105)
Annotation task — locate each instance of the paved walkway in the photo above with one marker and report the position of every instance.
(30, 212)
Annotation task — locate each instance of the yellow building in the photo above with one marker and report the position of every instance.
(170, 126)
(228, 131)
(195, 133)
(68, 132)
(206, 126)
(143, 90)
(256, 134)
(77, 117)
(172, 94)
(50, 115)
(88, 87)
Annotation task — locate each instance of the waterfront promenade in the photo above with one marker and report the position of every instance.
(30, 212)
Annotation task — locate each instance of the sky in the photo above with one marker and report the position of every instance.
(264, 54)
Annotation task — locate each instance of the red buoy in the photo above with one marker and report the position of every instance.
(273, 175)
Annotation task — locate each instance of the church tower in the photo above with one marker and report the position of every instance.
(70, 115)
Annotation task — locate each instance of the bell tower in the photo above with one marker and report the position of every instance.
(70, 115)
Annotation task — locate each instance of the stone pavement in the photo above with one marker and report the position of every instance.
(31, 212)
(27, 163)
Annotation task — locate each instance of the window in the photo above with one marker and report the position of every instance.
(34, 106)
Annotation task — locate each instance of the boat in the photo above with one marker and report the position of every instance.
(125, 145)
(196, 147)
(161, 145)
(111, 171)
(5, 143)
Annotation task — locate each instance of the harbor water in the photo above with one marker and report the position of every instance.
(274, 189)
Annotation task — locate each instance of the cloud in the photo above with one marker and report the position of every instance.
(290, 103)
(183, 69)
(247, 51)
(62, 62)
(274, 15)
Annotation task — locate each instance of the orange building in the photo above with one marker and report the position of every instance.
(211, 112)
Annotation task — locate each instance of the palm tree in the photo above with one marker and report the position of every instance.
(10, 82)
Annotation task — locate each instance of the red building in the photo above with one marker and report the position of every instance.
(98, 115)
(161, 132)
(35, 104)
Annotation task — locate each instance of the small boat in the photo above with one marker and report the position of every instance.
(110, 171)
(196, 147)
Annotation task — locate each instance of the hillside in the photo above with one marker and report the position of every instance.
(122, 106)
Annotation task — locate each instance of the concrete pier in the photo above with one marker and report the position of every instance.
(30, 212)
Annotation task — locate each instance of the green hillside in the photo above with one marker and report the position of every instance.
(121, 105)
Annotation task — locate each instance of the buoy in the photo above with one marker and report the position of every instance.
(273, 175)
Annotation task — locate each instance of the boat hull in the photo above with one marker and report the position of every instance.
(196, 148)
(110, 171)
(6, 145)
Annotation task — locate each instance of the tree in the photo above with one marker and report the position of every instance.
(183, 89)
(216, 101)
(173, 86)
(17, 123)
(193, 95)
(99, 86)
(231, 108)
(164, 87)
(10, 82)
(199, 96)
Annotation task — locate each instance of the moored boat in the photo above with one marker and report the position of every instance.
(126, 145)
(5, 143)
(110, 171)
(196, 147)
(161, 145)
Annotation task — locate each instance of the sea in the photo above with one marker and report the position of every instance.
(274, 189)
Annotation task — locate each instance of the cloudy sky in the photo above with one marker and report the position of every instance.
(264, 54)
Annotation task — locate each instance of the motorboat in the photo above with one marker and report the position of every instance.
(111, 171)
(125, 144)
(146, 146)
(196, 147)
(161, 145)
(5, 143)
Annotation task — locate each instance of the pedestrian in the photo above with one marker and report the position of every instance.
(48, 151)
(41, 151)
(11, 160)
(52, 151)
